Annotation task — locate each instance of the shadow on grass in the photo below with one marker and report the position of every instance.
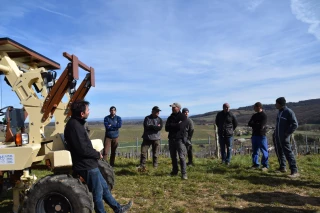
(258, 209)
(271, 179)
(284, 198)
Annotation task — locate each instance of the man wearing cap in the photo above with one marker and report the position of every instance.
(112, 124)
(152, 125)
(226, 123)
(188, 135)
(176, 126)
(286, 124)
(259, 140)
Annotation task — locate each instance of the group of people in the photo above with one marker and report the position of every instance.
(286, 124)
(180, 130)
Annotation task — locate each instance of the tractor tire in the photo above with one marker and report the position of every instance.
(58, 193)
(107, 173)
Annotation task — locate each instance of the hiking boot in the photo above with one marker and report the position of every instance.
(281, 170)
(264, 169)
(227, 163)
(126, 207)
(155, 165)
(184, 177)
(294, 175)
(141, 168)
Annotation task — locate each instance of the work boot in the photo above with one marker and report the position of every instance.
(254, 167)
(184, 177)
(190, 164)
(264, 169)
(173, 174)
(294, 175)
(126, 207)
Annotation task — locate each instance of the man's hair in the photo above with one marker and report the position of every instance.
(113, 107)
(258, 104)
(79, 106)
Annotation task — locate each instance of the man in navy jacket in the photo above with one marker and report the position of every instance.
(286, 124)
(112, 124)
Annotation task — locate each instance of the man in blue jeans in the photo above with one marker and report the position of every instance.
(226, 123)
(258, 123)
(85, 159)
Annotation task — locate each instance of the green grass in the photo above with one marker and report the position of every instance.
(213, 187)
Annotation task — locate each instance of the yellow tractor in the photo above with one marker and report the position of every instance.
(33, 79)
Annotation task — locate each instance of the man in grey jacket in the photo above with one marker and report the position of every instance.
(286, 124)
(188, 136)
(151, 137)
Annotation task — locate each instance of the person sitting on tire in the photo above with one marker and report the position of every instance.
(85, 159)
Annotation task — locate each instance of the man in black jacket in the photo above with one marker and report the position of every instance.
(259, 140)
(85, 159)
(226, 123)
(176, 126)
(152, 126)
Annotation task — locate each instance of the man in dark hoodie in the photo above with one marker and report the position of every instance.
(112, 124)
(226, 123)
(259, 140)
(85, 159)
(286, 124)
(176, 126)
(152, 126)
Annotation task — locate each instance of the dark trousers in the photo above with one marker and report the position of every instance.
(225, 143)
(284, 151)
(190, 153)
(176, 146)
(100, 190)
(155, 151)
(113, 144)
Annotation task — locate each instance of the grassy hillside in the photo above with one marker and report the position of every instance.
(213, 187)
(307, 112)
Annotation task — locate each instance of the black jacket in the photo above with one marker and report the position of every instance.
(176, 125)
(84, 157)
(152, 128)
(258, 123)
(226, 123)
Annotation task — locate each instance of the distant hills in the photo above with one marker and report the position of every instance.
(307, 112)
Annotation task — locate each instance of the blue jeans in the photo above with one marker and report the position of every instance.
(260, 143)
(100, 191)
(225, 142)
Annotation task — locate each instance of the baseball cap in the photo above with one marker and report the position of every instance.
(176, 105)
(156, 108)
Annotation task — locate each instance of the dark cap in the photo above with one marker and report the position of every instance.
(258, 104)
(113, 107)
(156, 108)
(282, 101)
(185, 110)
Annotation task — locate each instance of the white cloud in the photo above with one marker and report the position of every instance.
(308, 12)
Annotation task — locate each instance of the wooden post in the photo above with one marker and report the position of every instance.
(217, 141)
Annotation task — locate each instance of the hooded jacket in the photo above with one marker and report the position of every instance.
(286, 124)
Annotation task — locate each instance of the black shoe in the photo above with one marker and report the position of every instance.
(126, 207)
(282, 170)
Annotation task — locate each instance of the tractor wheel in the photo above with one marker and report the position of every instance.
(107, 172)
(58, 193)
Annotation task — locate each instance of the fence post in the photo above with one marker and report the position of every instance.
(217, 141)
(307, 144)
(137, 144)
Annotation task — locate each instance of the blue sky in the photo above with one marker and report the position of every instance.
(198, 53)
